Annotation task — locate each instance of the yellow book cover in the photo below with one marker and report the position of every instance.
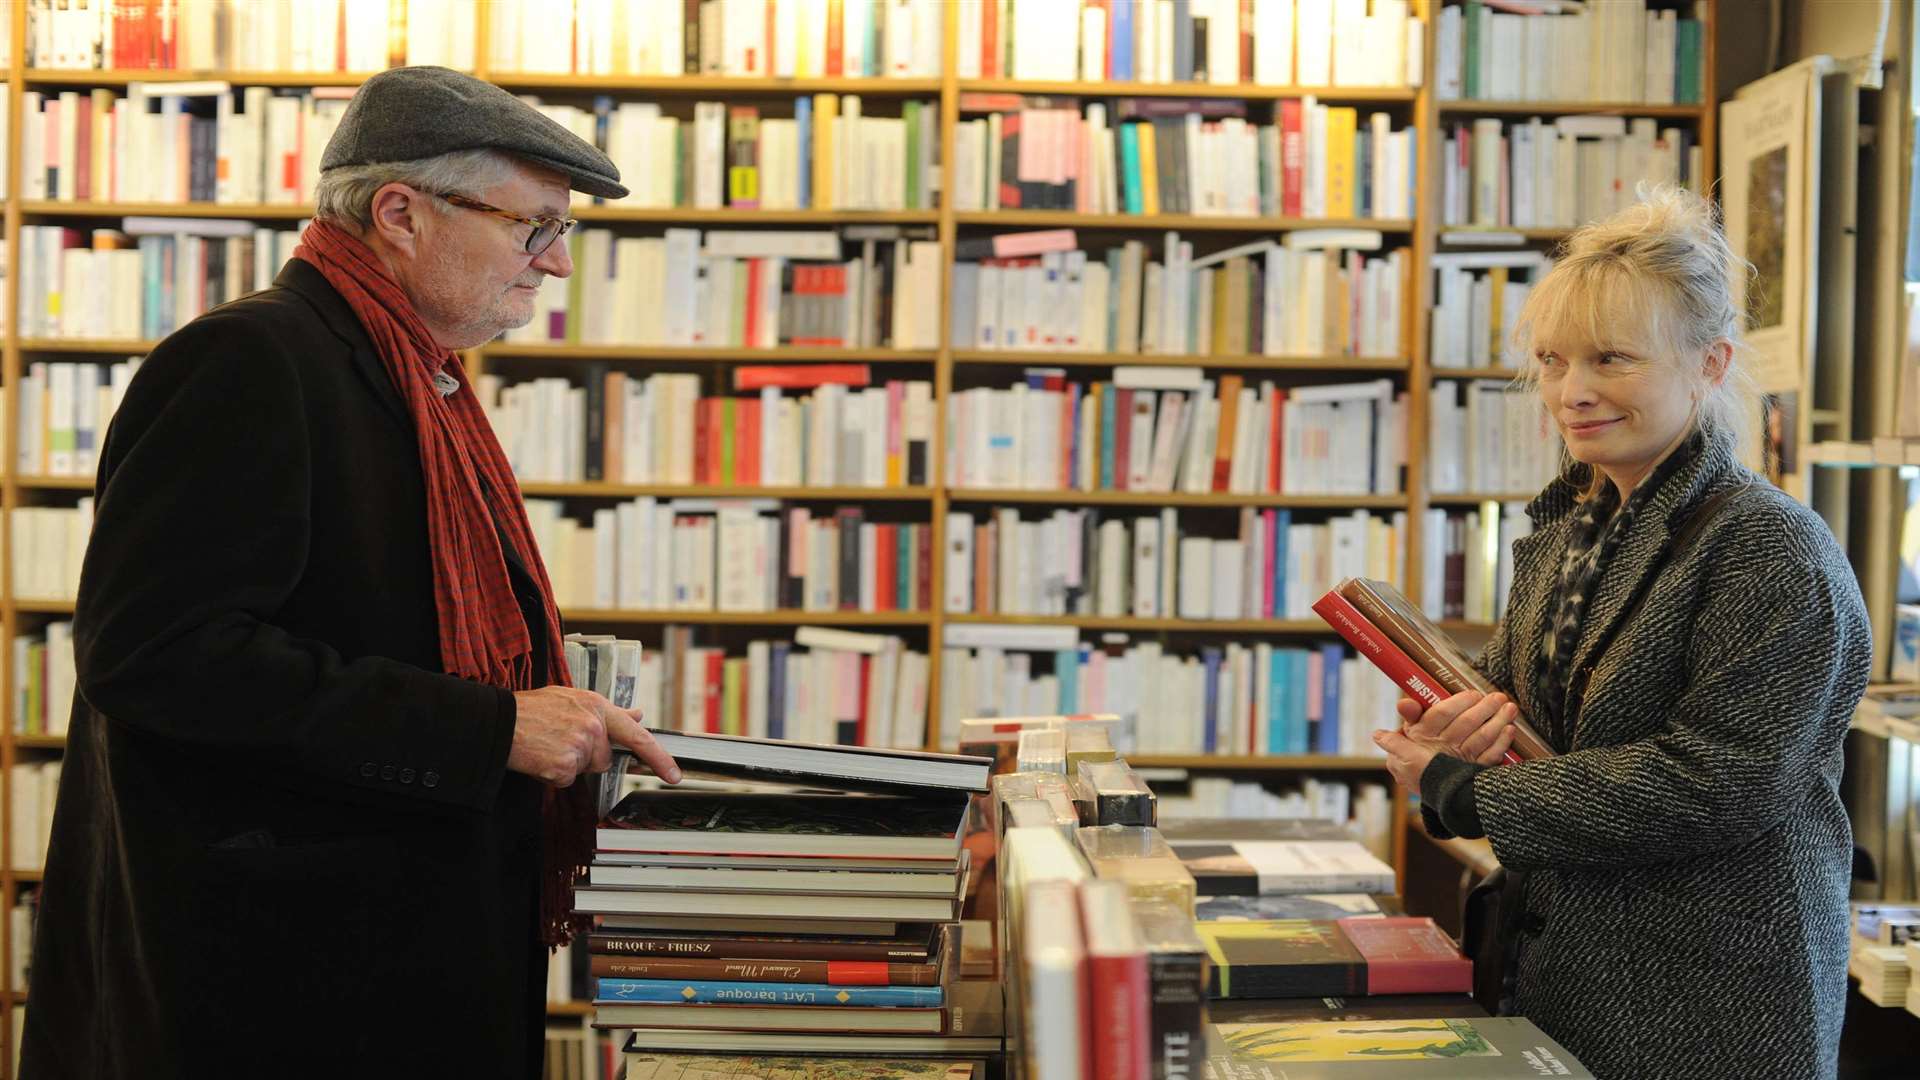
(576, 287)
(1496, 289)
(1149, 171)
(1222, 314)
(733, 675)
(826, 110)
(1340, 174)
(1357, 1040)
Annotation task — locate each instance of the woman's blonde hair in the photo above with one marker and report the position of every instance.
(1657, 279)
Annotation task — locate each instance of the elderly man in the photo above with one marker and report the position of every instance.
(318, 811)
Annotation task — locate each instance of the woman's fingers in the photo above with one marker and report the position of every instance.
(1497, 753)
(1436, 720)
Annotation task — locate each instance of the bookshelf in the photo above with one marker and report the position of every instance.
(1410, 368)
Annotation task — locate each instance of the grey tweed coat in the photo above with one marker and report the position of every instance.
(1688, 855)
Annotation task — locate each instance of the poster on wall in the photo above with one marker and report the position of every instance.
(1770, 188)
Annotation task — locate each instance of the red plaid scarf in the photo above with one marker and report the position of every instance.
(483, 635)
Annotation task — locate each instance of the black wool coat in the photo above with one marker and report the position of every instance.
(282, 834)
(1687, 856)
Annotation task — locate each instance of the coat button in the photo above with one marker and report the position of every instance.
(386, 772)
(367, 769)
(406, 776)
(432, 779)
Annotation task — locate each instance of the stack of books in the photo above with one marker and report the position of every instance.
(1882, 951)
(789, 919)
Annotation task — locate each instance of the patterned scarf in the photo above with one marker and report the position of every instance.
(470, 487)
(1597, 531)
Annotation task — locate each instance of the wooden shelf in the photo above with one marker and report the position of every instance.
(1341, 762)
(1135, 623)
(726, 491)
(1249, 91)
(1472, 499)
(1503, 374)
(750, 618)
(1443, 231)
(87, 345)
(1013, 219)
(41, 742)
(723, 216)
(797, 354)
(1236, 362)
(533, 82)
(123, 76)
(76, 209)
(54, 483)
(1573, 108)
(1175, 498)
(44, 607)
(569, 1008)
(27, 875)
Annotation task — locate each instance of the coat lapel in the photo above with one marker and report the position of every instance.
(303, 278)
(1536, 559)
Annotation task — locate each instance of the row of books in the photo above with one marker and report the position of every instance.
(144, 280)
(1267, 42)
(1268, 298)
(1084, 562)
(1171, 430)
(220, 35)
(46, 545)
(43, 680)
(1617, 51)
(1365, 806)
(64, 412)
(20, 921)
(1489, 437)
(1181, 157)
(1231, 700)
(1468, 561)
(824, 153)
(659, 430)
(1559, 174)
(755, 289)
(747, 38)
(1883, 951)
(31, 787)
(1477, 301)
(201, 142)
(732, 555)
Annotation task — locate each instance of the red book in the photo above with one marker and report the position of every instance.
(922, 599)
(801, 375)
(83, 149)
(1409, 956)
(1009, 178)
(1069, 409)
(1119, 991)
(716, 440)
(1122, 436)
(715, 678)
(1293, 157)
(887, 585)
(1271, 519)
(702, 419)
(860, 737)
(746, 452)
(1274, 441)
(1376, 648)
(1246, 41)
(836, 59)
(989, 41)
(751, 333)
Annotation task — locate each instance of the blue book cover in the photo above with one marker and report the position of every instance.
(1066, 669)
(703, 992)
(1108, 410)
(1282, 702)
(1120, 42)
(1130, 171)
(803, 125)
(1329, 742)
(903, 565)
(777, 690)
(1297, 729)
(1210, 736)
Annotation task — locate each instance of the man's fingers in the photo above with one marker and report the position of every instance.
(628, 732)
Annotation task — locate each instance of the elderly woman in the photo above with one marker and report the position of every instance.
(1691, 642)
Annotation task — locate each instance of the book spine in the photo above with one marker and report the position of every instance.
(635, 944)
(831, 972)
(701, 992)
(1377, 648)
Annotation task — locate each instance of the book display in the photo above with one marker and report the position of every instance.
(949, 361)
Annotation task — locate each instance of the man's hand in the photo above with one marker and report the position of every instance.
(1470, 725)
(560, 732)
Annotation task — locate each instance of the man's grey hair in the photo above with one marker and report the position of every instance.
(344, 196)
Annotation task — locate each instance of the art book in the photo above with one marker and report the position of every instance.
(756, 823)
(1495, 1048)
(647, 1065)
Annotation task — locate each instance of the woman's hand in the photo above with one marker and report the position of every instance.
(1470, 725)
(1407, 758)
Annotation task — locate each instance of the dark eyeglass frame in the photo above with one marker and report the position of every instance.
(553, 228)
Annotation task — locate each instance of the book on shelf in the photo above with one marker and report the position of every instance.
(20, 922)
(317, 36)
(1119, 563)
(1155, 156)
(159, 273)
(1046, 433)
(1333, 958)
(743, 289)
(722, 555)
(1262, 299)
(1468, 560)
(781, 39)
(619, 428)
(1418, 656)
(31, 789)
(65, 408)
(47, 543)
(1119, 995)
(1558, 174)
(1484, 1048)
(1219, 42)
(44, 678)
(1477, 301)
(1617, 52)
(1231, 700)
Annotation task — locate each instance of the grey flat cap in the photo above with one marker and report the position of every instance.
(417, 112)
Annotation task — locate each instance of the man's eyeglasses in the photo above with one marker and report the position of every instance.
(545, 230)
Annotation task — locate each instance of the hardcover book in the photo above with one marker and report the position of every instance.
(753, 823)
(1301, 906)
(701, 991)
(1409, 956)
(1282, 958)
(830, 972)
(853, 768)
(1495, 1048)
(1367, 1007)
(1276, 867)
(918, 946)
(650, 1065)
